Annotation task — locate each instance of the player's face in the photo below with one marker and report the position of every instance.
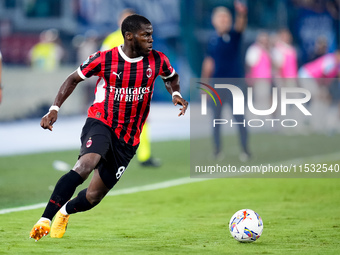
(143, 40)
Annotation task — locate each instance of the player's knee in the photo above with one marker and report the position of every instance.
(85, 166)
(83, 170)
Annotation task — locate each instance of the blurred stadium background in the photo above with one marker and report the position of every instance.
(181, 30)
(189, 219)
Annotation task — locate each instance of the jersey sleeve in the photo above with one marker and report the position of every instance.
(166, 70)
(91, 66)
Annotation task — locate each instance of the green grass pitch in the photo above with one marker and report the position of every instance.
(301, 216)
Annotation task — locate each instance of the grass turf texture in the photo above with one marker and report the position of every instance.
(300, 215)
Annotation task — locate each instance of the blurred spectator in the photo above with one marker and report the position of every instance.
(259, 66)
(86, 45)
(321, 47)
(116, 38)
(223, 60)
(317, 76)
(284, 59)
(314, 20)
(0, 77)
(285, 65)
(326, 66)
(47, 54)
(284, 55)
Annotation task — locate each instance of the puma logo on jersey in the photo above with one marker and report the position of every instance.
(117, 74)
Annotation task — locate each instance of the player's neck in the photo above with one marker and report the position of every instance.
(129, 52)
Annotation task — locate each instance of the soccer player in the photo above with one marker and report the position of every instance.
(144, 150)
(112, 130)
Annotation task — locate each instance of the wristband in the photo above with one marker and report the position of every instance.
(54, 107)
(176, 93)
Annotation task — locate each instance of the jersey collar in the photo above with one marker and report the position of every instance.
(126, 58)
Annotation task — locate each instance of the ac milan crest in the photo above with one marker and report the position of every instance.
(89, 143)
(148, 72)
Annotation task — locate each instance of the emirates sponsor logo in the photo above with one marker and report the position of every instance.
(130, 94)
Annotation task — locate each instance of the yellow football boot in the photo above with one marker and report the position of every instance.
(42, 228)
(59, 225)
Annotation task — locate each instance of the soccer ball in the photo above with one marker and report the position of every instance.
(246, 226)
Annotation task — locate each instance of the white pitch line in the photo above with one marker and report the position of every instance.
(22, 208)
(159, 185)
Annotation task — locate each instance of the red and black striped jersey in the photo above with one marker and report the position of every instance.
(124, 89)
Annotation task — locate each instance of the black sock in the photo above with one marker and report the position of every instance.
(63, 192)
(79, 203)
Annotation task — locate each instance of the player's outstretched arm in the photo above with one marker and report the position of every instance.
(172, 86)
(65, 90)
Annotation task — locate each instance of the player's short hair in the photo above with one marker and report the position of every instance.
(133, 23)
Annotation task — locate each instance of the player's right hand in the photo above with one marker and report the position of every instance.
(49, 119)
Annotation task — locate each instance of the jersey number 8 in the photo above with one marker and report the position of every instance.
(120, 171)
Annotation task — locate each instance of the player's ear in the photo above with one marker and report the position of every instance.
(128, 36)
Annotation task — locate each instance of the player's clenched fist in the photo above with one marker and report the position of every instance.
(49, 119)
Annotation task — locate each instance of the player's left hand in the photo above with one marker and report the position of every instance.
(178, 100)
